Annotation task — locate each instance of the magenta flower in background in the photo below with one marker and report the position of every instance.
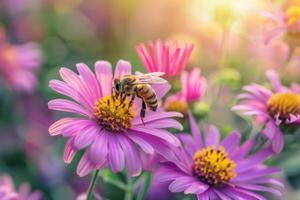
(164, 57)
(271, 108)
(193, 87)
(219, 169)
(285, 22)
(109, 132)
(8, 191)
(19, 65)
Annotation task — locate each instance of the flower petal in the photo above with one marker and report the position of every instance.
(116, 154)
(133, 160)
(103, 71)
(122, 68)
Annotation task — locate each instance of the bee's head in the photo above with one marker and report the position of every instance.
(118, 86)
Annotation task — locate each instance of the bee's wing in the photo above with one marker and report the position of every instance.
(151, 78)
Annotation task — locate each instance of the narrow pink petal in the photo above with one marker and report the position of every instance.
(68, 106)
(195, 130)
(56, 127)
(86, 136)
(64, 89)
(90, 80)
(85, 166)
(145, 57)
(275, 80)
(253, 160)
(278, 142)
(99, 149)
(76, 126)
(152, 116)
(144, 144)
(122, 68)
(212, 137)
(74, 81)
(132, 156)
(104, 75)
(231, 142)
(260, 188)
(164, 123)
(116, 154)
(163, 134)
(69, 151)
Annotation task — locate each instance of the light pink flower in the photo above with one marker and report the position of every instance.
(193, 86)
(109, 130)
(8, 191)
(271, 108)
(19, 65)
(164, 57)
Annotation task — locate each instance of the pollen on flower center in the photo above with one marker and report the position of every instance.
(284, 104)
(213, 166)
(113, 114)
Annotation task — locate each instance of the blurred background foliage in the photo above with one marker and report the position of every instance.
(229, 49)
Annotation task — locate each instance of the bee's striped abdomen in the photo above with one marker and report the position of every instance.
(148, 94)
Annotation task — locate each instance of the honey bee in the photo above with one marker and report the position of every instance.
(139, 85)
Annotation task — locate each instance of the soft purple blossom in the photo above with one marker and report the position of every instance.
(271, 108)
(111, 139)
(234, 174)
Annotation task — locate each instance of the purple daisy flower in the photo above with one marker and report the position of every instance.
(272, 108)
(109, 132)
(219, 169)
(8, 191)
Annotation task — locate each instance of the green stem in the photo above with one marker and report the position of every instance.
(143, 193)
(116, 183)
(129, 191)
(92, 185)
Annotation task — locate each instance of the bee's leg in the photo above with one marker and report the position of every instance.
(123, 98)
(143, 111)
(113, 94)
(132, 100)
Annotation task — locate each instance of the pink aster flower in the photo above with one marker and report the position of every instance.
(164, 57)
(193, 87)
(109, 130)
(285, 22)
(219, 169)
(8, 191)
(19, 65)
(272, 108)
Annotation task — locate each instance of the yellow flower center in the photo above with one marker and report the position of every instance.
(114, 115)
(178, 106)
(213, 166)
(293, 15)
(284, 104)
(292, 36)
